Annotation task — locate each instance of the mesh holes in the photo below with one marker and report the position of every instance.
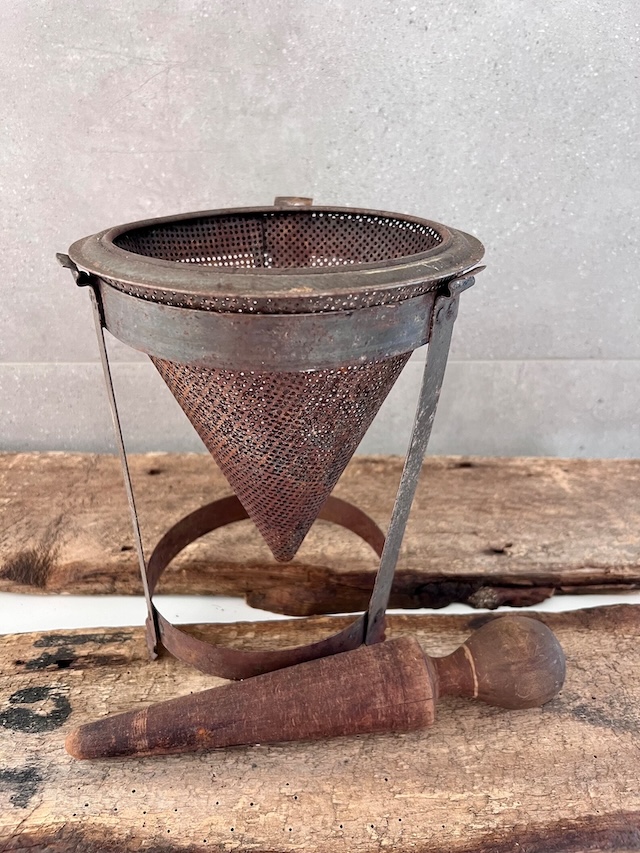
(299, 239)
(281, 240)
(282, 439)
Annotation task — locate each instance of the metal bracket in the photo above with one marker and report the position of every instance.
(445, 311)
(84, 279)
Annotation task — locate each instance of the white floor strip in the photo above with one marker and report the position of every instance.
(21, 613)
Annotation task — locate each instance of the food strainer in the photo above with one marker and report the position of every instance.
(280, 331)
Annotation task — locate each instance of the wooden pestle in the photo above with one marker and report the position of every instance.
(511, 662)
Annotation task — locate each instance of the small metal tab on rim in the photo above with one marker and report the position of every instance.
(464, 281)
(82, 278)
(292, 201)
(65, 261)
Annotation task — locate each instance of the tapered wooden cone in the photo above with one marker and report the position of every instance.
(372, 689)
(282, 440)
(512, 662)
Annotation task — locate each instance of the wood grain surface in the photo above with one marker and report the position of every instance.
(482, 531)
(559, 778)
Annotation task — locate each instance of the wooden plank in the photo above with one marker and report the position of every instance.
(482, 531)
(560, 778)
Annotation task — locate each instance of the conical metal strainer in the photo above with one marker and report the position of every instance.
(282, 439)
(280, 331)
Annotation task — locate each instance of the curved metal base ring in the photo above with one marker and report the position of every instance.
(237, 663)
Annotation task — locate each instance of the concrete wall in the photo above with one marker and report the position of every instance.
(517, 121)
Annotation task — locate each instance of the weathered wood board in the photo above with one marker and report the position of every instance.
(561, 778)
(482, 531)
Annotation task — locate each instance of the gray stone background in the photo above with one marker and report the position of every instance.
(516, 121)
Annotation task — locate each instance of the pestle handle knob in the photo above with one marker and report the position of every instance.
(512, 662)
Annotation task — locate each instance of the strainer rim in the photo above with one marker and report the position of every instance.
(98, 254)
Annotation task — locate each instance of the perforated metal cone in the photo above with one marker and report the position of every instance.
(282, 439)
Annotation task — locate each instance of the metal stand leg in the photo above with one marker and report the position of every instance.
(151, 627)
(84, 279)
(444, 314)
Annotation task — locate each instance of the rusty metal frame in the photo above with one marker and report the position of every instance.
(235, 663)
(388, 329)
